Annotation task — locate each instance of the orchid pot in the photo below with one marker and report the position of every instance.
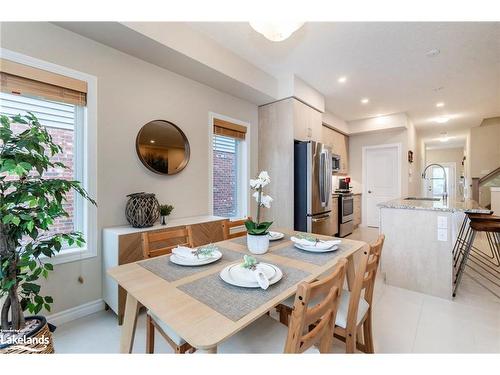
(257, 239)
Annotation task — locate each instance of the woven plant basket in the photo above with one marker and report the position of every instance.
(42, 337)
(142, 210)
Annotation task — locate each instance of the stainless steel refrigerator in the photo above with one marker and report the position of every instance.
(313, 188)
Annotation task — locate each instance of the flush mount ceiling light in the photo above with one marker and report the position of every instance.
(365, 101)
(152, 141)
(440, 104)
(442, 120)
(276, 31)
(433, 52)
(342, 79)
(444, 137)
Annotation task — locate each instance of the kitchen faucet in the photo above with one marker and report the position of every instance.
(445, 190)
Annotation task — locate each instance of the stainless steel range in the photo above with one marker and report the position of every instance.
(346, 212)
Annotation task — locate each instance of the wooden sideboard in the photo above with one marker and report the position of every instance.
(122, 245)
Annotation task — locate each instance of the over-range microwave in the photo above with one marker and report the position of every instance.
(335, 163)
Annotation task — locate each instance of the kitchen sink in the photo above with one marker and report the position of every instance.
(422, 199)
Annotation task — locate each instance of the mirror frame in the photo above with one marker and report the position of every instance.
(187, 149)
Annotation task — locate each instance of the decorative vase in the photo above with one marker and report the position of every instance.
(258, 244)
(142, 210)
(163, 219)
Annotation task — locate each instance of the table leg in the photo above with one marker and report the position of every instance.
(129, 323)
(212, 350)
(350, 272)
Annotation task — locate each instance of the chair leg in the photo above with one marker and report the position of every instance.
(368, 334)
(350, 342)
(150, 335)
(284, 312)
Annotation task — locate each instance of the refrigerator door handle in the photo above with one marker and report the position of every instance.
(322, 178)
(320, 218)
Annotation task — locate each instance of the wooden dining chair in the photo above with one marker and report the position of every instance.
(310, 324)
(155, 244)
(160, 243)
(355, 311)
(354, 314)
(228, 225)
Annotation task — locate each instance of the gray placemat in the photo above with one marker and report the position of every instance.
(315, 258)
(234, 302)
(169, 271)
(243, 241)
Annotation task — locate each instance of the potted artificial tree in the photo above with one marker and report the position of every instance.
(29, 203)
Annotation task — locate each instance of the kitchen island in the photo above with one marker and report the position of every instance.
(419, 239)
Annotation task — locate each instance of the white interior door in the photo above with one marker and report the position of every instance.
(382, 179)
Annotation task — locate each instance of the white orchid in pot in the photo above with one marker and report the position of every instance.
(257, 239)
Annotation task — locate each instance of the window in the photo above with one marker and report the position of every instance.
(64, 101)
(64, 122)
(229, 192)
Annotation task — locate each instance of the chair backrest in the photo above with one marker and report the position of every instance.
(160, 243)
(365, 279)
(321, 317)
(227, 225)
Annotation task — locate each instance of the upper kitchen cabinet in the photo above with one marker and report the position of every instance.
(307, 122)
(340, 146)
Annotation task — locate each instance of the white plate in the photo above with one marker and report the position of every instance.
(273, 236)
(225, 275)
(195, 262)
(239, 273)
(314, 249)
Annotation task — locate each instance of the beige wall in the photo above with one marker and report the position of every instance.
(356, 144)
(131, 93)
(485, 149)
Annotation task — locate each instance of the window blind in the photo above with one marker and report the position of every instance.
(228, 129)
(29, 81)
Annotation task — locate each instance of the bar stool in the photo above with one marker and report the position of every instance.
(462, 251)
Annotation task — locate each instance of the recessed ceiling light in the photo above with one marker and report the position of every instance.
(433, 52)
(365, 101)
(440, 104)
(442, 120)
(342, 79)
(152, 141)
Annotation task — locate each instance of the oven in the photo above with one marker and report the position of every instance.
(346, 214)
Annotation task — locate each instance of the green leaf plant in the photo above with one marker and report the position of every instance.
(29, 205)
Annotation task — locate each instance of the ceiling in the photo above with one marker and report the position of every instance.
(385, 62)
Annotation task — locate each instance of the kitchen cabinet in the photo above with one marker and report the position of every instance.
(340, 146)
(335, 214)
(357, 210)
(307, 122)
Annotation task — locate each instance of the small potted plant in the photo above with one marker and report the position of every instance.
(30, 201)
(257, 239)
(165, 210)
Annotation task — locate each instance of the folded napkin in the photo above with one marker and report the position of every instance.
(319, 244)
(261, 277)
(193, 254)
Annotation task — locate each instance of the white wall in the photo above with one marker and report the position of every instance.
(389, 122)
(131, 92)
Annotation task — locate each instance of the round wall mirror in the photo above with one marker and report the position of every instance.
(162, 147)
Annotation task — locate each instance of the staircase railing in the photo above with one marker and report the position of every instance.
(477, 182)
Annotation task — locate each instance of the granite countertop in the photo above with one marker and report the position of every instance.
(449, 206)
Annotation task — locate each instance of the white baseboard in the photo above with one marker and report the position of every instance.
(76, 312)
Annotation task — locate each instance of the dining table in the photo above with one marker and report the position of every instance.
(204, 310)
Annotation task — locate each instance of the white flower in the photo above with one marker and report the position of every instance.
(266, 201)
(264, 178)
(255, 184)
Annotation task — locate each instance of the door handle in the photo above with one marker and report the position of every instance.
(369, 191)
(320, 219)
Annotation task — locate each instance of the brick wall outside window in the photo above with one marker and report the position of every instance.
(225, 198)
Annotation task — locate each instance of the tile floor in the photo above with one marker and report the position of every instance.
(404, 322)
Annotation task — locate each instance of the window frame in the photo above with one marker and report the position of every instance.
(243, 150)
(85, 153)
